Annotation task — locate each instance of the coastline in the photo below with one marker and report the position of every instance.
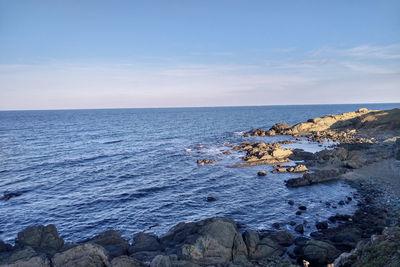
(218, 241)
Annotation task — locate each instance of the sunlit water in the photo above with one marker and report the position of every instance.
(135, 169)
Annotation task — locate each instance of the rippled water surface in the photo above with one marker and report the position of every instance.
(135, 169)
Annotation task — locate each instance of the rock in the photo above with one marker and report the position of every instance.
(161, 261)
(44, 238)
(112, 241)
(322, 225)
(266, 248)
(251, 239)
(298, 168)
(291, 202)
(302, 207)
(299, 228)
(283, 238)
(4, 247)
(126, 261)
(145, 256)
(88, 254)
(276, 225)
(298, 212)
(210, 199)
(262, 173)
(279, 170)
(211, 241)
(36, 261)
(7, 196)
(145, 242)
(262, 153)
(362, 110)
(292, 223)
(319, 253)
(320, 176)
(341, 202)
(205, 161)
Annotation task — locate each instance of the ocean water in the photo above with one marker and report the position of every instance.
(135, 170)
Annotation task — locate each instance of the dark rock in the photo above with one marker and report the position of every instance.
(292, 223)
(4, 247)
(44, 238)
(283, 238)
(341, 202)
(322, 225)
(298, 212)
(302, 207)
(145, 242)
(205, 161)
(262, 173)
(266, 248)
(23, 257)
(161, 261)
(299, 228)
(318, 253)
(7, 196)
(320, 176)
(279, 170)
(112, 241)
(145, 256)
(251, 239)
(291, 202)
(210, 199)
(276, 225)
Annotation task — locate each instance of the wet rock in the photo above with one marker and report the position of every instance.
(4, 247)
(145, 242)
(322, 225)
(299, 154)
(88, 254)
(211, 241)
(320, 176)
(112, 241)
(291, 202)
(7, 196)
(302, 207)
(161, 261)
(44, 238)
(211, 199)
(299, 228)
(276, 225)
(262, 173)
(298, 212)
(126, 261)
(283, 238)
(205, 161)
(279, 170)
(292, 223)
(318, 253)
(341, 202)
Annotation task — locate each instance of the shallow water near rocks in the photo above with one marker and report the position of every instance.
(135, 170)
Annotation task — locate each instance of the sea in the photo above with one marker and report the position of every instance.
(135, 170)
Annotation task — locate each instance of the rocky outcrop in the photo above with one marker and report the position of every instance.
(262, 153)
(321, 176)
(380, 250)
(211, 241)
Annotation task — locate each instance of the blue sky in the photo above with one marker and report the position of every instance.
(110, 54)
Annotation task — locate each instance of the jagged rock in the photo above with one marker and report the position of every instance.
(44, 238)
(36, 261)
(126, 261)
(112, 241)
(87, 254)
(211, 241)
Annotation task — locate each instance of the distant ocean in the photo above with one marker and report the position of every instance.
(135, 169)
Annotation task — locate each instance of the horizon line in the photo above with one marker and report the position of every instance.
(183, 107)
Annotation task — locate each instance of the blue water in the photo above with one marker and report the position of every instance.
(135, 169)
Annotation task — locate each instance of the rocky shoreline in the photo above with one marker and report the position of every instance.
(367, 158)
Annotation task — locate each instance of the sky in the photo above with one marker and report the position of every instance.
(131, 54)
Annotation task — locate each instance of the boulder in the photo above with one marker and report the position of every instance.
(262, 173)
(4, 246)
(44, 238)
(211, 241)
(126, 261)
(145, 242)
(298, 168)
(318, 253)
(266, 248)
(161, 261)
(279, 170)
(283, 238)
(112, 241)
(251, 239)
(88, 254)
(36, 261)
